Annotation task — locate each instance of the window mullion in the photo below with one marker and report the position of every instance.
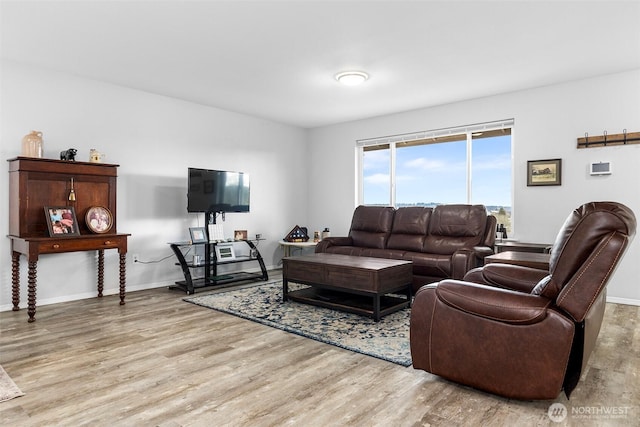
(469, 161)
(392, 174)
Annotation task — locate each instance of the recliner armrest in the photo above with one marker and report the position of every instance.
(508, 276)
(333, 241)
(492, 303)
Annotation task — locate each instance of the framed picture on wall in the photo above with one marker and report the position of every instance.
(544, 172)
(61, 221)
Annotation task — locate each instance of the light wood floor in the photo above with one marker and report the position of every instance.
(158, 361)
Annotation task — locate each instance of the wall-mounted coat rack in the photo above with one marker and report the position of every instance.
(606, 140)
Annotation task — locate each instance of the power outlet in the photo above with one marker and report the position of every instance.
(135, 258)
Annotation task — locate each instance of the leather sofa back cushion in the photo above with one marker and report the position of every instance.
(454, 227)
(371, 225)
(409, 230)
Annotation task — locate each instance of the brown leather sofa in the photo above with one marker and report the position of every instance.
(443, 242)
(520, 332)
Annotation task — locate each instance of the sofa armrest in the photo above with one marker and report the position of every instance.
(493, 303)
(482, 252)
(464, 260)
(333, 241)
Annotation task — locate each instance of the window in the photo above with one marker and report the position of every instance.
(462, 165)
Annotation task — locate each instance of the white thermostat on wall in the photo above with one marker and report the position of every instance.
(600, 168)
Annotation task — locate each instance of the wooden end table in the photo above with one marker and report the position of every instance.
(526, 259)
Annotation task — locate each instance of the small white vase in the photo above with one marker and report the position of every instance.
(32, 144)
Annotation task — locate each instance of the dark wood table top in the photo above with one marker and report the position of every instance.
(368, 263)
(526, 259)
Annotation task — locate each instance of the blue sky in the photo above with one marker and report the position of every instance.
(437, 173)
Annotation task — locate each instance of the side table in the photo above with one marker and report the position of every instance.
(33, 247)
(526, 259)
(543, 248)
(287, 246)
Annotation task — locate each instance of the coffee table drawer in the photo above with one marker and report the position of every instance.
(303, 271)
(350, 278)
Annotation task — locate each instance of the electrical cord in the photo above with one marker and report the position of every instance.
(161, 259)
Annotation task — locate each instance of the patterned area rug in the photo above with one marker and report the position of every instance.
(8, 389)
(387, 339)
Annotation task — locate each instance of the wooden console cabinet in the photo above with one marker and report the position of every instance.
(36, 183)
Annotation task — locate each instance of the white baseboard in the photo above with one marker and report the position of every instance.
(626, 301)
(110, 291)
(86, 295)
(142, 287)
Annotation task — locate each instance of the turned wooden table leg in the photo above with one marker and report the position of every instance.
(15, 280)
(100, 272)
(123, 275)
(31, 290)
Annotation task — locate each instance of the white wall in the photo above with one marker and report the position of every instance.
(154, 139)
(548, 121)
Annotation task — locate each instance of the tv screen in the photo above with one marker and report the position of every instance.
(217, 191)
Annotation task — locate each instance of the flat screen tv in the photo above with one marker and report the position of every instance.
(215, 191)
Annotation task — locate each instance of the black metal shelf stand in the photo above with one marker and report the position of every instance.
(210, 265)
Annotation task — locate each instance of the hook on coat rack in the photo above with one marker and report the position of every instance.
(606, 140)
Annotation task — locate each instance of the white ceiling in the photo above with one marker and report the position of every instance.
(277, 59)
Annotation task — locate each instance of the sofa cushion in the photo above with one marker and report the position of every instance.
(371, 225)
(410, 227)
(346, 250)
(454, 227)
(433, 265)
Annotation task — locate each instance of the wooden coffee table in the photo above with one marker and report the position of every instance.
(354, 284)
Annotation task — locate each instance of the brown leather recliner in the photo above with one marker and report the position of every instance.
(520, 332)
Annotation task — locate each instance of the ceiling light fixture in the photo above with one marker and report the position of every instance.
(352, 78)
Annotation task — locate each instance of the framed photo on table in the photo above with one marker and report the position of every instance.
(544, 172)
(61, 221)
(198, 234)
(99, 219)
(225, 253)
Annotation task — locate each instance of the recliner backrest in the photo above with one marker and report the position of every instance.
(410, 225)
(371, 225)
(454, 227)
(585, 254)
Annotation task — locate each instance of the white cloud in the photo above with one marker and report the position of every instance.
(377, 178)
(492, 163)
(437, 165)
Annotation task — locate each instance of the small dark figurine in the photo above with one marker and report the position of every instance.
(69, 154)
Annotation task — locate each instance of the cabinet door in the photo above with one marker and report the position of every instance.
(39, 189)
(94, 191)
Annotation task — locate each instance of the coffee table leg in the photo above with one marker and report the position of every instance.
(376, 308)
(285, 289)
